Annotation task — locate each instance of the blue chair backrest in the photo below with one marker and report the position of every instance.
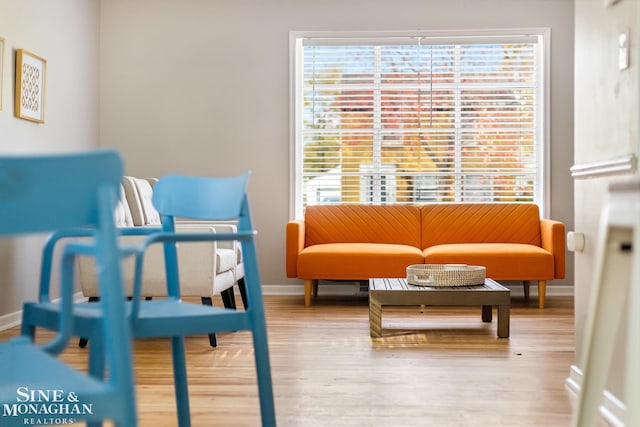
(213, 199)
(43, 193)
(40, 193)
(50, 192)
(200, 198)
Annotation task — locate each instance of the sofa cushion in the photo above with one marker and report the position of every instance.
(138, 193)
(122, 213)
(504, 261)
(362, 224)
(480, 223)
(133, 200)
(145, 192)
(356, 261)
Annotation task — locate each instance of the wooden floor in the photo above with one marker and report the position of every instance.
(439, 367)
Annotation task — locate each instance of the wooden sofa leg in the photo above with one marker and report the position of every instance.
(526, 289)
(310, 287)
(542, 291)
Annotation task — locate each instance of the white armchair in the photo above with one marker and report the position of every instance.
(206, 268)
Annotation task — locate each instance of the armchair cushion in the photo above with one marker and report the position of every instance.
(138, 193)
(123, 216)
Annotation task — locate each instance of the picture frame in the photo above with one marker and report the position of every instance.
(1, 71)
(31, 71)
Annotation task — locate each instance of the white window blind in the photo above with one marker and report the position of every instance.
(413, 120)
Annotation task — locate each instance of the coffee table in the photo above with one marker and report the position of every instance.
(399, 293)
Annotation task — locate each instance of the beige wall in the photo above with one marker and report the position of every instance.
(606, 128)
(202, 87)
(65, 33)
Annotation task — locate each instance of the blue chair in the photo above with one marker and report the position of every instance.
(45, 193)
(194, 198)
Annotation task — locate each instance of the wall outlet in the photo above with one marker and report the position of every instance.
(623, 50)
(575, 241)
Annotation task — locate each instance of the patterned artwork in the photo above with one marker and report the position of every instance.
(30, 97)
(30, 86)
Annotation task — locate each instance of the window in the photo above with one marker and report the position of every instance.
(418, 118)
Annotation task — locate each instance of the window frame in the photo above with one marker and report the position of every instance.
(543, 132)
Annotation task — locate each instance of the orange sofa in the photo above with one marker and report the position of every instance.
(358, 242)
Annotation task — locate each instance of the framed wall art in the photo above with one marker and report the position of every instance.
(1, 71)
(31, 73)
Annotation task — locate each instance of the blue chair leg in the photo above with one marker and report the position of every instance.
(96, 358)
(96, 366)
(263, 370)
(180, 380)
(28, 330)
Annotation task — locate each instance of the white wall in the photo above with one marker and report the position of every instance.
(202, 87)
(65, 33)
(606, 128)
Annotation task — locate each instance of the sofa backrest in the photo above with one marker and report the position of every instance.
(362, 224)
(480, 223)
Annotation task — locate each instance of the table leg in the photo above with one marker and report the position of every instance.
(503, 321)
(487, 313)
(375, 317)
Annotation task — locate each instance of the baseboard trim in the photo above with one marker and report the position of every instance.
(612, 409)
(10, 320)
(353, 288)
(13, 319)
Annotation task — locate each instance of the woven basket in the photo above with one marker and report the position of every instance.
(445, 275)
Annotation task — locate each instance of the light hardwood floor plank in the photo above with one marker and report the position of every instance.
(434, 366)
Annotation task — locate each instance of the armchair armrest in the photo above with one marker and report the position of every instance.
(47, 258)
(70, 252)
(173, 285)
(198, 264)
(295, 244)
(220, 227)
(77, 248)
(553, 240)
(217, 227)
(127, 236)
(58, 344)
